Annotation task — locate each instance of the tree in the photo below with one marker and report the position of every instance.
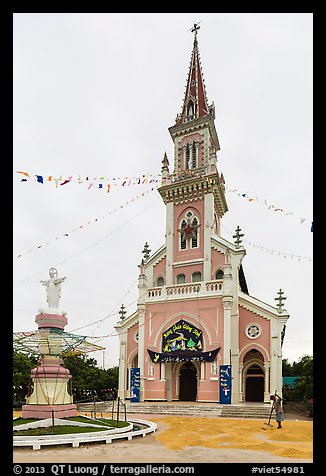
(287, 368)
(303, 369)
(89, 381)
(22, 367)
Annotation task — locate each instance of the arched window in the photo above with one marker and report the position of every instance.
(196, 276)
(181, 279)
(194, 239)
(160, 281)
(194, 155)
(183, 243)
(219, 274)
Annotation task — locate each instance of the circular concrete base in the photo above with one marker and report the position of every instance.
(36, 442)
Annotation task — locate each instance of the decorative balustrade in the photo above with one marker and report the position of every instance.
(214, 285)
(154, 292)
(186, 290)
(179, 289)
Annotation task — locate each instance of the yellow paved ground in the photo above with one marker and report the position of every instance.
(294, 440)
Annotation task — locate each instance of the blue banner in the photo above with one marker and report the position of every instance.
(135, 384)
(225, 384)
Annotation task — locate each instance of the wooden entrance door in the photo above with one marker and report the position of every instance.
(188, 383)
(254, 389)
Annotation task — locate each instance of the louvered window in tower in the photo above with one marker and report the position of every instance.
(187, 156)
(194, 155)
(194, 239)
(183, 239)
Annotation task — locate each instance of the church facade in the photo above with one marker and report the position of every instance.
(195, 318)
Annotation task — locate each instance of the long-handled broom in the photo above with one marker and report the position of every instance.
(270, 415)
(269, 420)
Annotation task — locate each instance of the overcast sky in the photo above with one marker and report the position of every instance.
(94, 95)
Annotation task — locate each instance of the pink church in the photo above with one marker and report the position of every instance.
(195, 318)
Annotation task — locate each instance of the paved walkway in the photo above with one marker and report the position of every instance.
(189, 439)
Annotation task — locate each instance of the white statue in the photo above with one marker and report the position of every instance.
(53, 291)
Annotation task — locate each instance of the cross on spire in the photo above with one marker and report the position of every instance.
(146, 251)
(237, 237)
(280, 300)
(122, 312)
(194, 29)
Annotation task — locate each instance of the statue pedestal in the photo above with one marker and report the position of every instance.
(47, 411)
(50, 395)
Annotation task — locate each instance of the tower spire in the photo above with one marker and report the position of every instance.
(195, 104)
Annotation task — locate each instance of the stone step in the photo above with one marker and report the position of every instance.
(245, 412)
(226, 411)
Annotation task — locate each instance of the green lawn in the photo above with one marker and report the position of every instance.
(57, 430)
(66, 429)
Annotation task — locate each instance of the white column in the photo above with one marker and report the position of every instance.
(202, 371)
(141, 307)
(240, 383)
(227, 304)
(235, 261)
(208, 226)
(266, 387)
(122, 368)
(162, 370)
(274, 359)
(227, 301)
(168, 381)
(141, 347)
(169, 243)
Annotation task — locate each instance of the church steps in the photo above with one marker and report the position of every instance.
(217, 410)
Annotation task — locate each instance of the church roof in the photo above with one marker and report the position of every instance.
(242, 281)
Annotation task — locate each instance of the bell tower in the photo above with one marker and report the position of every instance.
(194, 193)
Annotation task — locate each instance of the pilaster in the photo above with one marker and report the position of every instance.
(266, 384)
(169, 243)
(240, 383)
(122, 371)
(141, 347)
(208, 224)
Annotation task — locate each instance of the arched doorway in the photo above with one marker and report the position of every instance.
(188, 383)
(255, 384)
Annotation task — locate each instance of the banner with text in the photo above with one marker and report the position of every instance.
(225, 384)
(135, 384)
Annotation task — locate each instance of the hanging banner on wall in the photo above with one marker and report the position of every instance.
(183, 356)
(225, 384)
(182, 337)
(135, 384)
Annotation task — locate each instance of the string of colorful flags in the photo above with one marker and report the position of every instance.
(270, 206)
(89, 222)
(101, 183)
(95, 182)
(269, 250)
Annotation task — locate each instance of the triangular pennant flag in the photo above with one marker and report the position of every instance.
(24, 173)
